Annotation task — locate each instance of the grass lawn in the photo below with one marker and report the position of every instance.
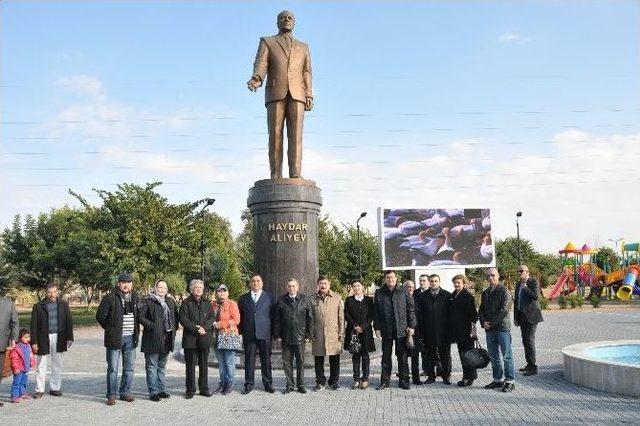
(81, 316)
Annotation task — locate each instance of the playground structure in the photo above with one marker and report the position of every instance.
(581, 270)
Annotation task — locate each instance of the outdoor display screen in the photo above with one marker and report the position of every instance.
(435, 238)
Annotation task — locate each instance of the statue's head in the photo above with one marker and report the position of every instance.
(286, 21)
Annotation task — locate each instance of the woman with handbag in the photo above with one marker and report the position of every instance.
(228, 340)
(358, 313)
(464, 316)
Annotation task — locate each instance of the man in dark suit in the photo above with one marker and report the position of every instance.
(292, 327)
(256, 314)
(527, 314)
(433, 310)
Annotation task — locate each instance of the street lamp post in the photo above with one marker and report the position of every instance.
(363, 214)
(518, 216)
(208, 202)
(616, 241)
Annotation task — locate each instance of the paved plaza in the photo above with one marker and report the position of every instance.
(545, 398)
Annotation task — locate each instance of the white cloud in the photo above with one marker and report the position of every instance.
(513, 37)
(82, 84)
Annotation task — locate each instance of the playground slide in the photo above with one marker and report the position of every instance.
(559, 285)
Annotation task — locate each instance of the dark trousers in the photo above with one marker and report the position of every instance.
(288, 353)
(435, 353)
(334, 369)
(401, 355)
(415, 362)
(263, 347)
(191, 358)
(467, 373)
(361, 359)
(528, 331)
(2, 355)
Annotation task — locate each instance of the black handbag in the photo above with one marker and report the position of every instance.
(477, 357)
(354, 346)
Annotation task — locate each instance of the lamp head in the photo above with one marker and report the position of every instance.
(519, 214)
(363, 214)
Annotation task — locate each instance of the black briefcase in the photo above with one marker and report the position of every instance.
(477, 357)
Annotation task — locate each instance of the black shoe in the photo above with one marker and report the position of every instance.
(531, 372)
(164, 395)
(287, 390)
(430, 380)
(417, 382)
(404, 385)
(382, 385)
(218, 389)
(302, 389)
(247, 390)
(446, 381)
(226, 390)
(508, 387)
(155, 398)
(318, 387)
(55, 393)
(334, 386)
(188, 395)
(464, 383)
(206, 393)
(494, 385)
(525, 368)
(269, 389)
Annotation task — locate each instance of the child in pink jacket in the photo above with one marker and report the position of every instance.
(22, 360)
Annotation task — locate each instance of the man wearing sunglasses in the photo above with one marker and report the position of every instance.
(527, 314)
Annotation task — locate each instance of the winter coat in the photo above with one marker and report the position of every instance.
(227, 316)
(328, 320)
(394, 305)
(293, 321)
(110, 315)
(463, 313)
(529, 305)
(433, 312)
(154, 335)
(494, 308)
(361, 314)
(18, 361)
(256, 318)
(9, 325)
(193, 313)
(40, 327)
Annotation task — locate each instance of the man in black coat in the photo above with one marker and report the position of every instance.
(527, 314)
(292, 326)
(256, 315)
(433, 311)
(118, 316)
(419, 350)
(394, 319)
(51, 335)
(197, 318)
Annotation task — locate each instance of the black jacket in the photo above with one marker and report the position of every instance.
(394, 305)
(529, 305)
(194, 313)
(361, 314)
(109, 316)
(151, 317)
(494, 308)
(463, 313)
(433, 312)
(293, 321)
(256, 318)
(40, 327)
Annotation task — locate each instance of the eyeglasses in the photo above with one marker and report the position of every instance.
(491, 275)
(520, 271)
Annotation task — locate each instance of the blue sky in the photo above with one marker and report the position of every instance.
(528, 106)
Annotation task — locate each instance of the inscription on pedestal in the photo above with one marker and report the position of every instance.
(287, 232)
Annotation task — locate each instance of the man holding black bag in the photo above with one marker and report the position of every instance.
(358, 312)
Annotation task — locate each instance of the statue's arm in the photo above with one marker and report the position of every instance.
(306, 75)
(262, 61)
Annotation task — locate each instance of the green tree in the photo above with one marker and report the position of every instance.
(607, 258)
(244, 245)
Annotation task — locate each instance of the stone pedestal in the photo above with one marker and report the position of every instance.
(285, 225)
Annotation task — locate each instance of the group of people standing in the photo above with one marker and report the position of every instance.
(420, 323)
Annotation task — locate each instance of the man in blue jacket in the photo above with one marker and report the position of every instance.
(256, 314)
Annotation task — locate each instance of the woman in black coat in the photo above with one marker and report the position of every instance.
(158, 314)
(358, 313)
(463, 317)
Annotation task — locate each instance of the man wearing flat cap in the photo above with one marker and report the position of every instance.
(118, 316)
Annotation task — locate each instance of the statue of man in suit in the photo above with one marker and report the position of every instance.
(286, 63)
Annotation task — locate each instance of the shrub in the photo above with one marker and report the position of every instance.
(562, 301)
(544, 302)
(575, 301)
(595, 301)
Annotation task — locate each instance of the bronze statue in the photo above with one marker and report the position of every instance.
(287, 65)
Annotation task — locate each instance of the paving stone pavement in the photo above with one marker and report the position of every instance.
(545, 398)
